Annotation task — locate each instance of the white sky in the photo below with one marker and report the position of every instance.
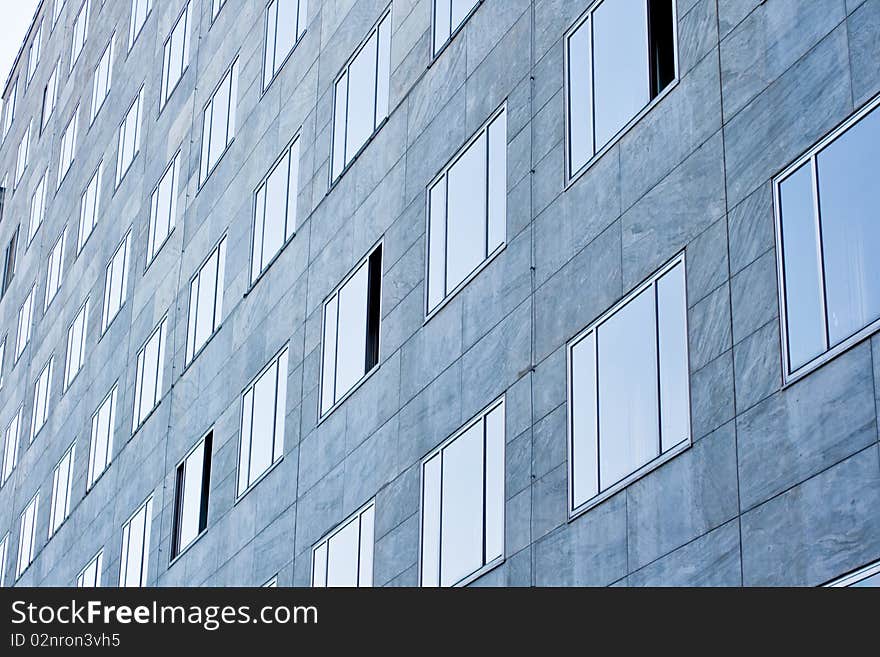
(15, 18)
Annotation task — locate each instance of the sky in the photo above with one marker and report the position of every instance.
(15, 18)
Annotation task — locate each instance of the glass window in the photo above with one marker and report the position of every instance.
(345, 556)
(263, 406)
(25, 320)
(361, 96)
(9, 107)
(129, 138)
(272, 583)
(136, 546)
(62, 482)
(351, 331)
(27, 537)
(34, 52)
(148, 379)
(57, 6)
(869, 577)
(163, 208)
(9, 261)
(619, 57)
(68, 147)
(218, 125)
(80, 32)
(140, 9)
(55, 269)
(101, 444)
(176, 55)
(38, 208)
(10, 444)
(102, 79)
(21, 160)
(463, 502)
(42, 393)
(467, 210)
(629, 389)
(50, 95)
(275, 209)
(828, 232)
(89, 207)
(216, 6)
(206, 300)
(90, 576)
(4, 553)
(115, 283)
(449, 15)
(192, 486)
(2, 359)
(285, 24)
(76, 344)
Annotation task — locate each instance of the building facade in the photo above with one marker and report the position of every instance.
(441, 292)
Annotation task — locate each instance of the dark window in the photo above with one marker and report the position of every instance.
(9, 262)
(191, 496)
(662, 44)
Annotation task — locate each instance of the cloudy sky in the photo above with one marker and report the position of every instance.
(15, 17)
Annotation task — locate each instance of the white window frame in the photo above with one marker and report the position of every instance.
(57, 6)
(34, 51)
(55, 269)
(76, 349)
(89, 207)
(108, 403)
(205, 444)
(857, 576)
(68, 147)
(271, 69)
(92, 571)
(365, 517)
(50, 96)
(42, 397)
(438, 44)
(11, 444)
(193, 345)
(135, 28)
(163, 220)
(62, 486)
(130, 122)
(27, 544)
(4, 553)
(145, 508)
(22, 154)
(79, 32)
(38, 208)
(110, 273)
(2, 360)
(25, 323)
(9, 108)
(171, 78)
(216, 6)
(206, 164)
(144, 406)
(99, 84)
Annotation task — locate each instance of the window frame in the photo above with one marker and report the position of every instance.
(167, 89)
(205, 167)
(60, 243)
(4, 554)
(191, 352)
(98, 561)
(21, 161)
(266, 82)
(74, 56)
(68, 377)
(106, 320)
(35, 220)
(54, 523)
(44, 114)
(147, 507)
(72, 124)
(17, 420)
(133, 33)
(207, 444)
(95, 109)
(154, 246)
(140, 416)
(437, 50)
(33, 503)
(97, 176)
(48, 370)
(9, 108)
(122, 172)
(29, 301)
(856, 576)
(324, 541)
(92, 476)
(34, 63)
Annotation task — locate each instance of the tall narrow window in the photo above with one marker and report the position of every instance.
(129, 138)
(449, 16)
(163, 208)
(192, 486)
(57, 6)
(68, 147)
(4, 553)
(140, 9)
(90, 576)
(216, 6)
(467, 211)
(62, 483)
(115, 284)
(50, 96)
(9, 107)
(148, 381)
(361, 96)
(2, 359)
(34, 52)
(89, 207)
(205, 300)
(275, 209)
(101, 444)
(102, 79)
(345, 556)
(38, 208)
(629, 390)
(76, 344)
(351, 331)
(620, 56)
(463, 502)
(218, 124)
(9, 261)
(136, 546)
(80, 32)
(25, 319)
(10, 444)
(176, 55)
(27, 537)
(55, 268)
(828, 237)
(21, 159)
(285, 24)
(42, 393)
(262, 422)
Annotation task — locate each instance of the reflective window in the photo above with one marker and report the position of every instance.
(115, 284)
(4, 553)
(50, 96)
(90, 576)
(449, 15)
(869, 577)
(27, 537)
(345, 556)
(25, 319)
(55, 268)
(140, 9)
(629, 388)
(619, 57)
(285, 24)
(89, 207)
(218, 125)
(9, 261)
(76, 344)
(68, 147)
(463, 502)
(42, 393)
(206, 300)
(57, 6)
(10, 444)
(34, 52)
(216, 6)
(80, 32)
(163, 208)
(38, 208)
(828, 234)
(263, 406)
(361, 96)
(129, 143)
(21, 160)
(148, 380)
(101, 444)
(467, 210)
(136, 546)
(272, 583)
(192, 486)
(62, 482)
(176, 55)
(9, 107)
(350, 347)
(102, 79)
(2, 359)
(275, 209)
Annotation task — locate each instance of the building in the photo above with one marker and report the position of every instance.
(406, 292)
